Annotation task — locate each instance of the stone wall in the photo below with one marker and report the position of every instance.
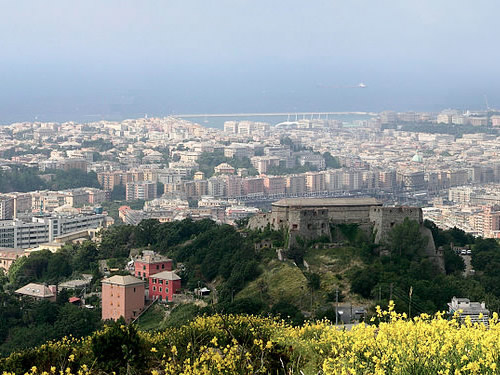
(313, 222)
(383, 219)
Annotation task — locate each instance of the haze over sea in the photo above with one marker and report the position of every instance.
(117, 59)
(56, 94)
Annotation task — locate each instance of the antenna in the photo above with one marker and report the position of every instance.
(486, 101)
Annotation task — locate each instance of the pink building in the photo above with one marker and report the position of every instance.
(150, 263)
(122, 296)
(253, 186)
(274, 184)
(9, 256)
(163, 286)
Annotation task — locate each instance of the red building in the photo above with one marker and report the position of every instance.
(163, 286)
(151, 263)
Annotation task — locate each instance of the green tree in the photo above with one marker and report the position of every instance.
(406, 240)
(119, 349)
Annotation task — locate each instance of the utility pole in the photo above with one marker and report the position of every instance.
(336, 306)
(409, 304)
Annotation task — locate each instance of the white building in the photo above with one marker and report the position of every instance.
(43, 229)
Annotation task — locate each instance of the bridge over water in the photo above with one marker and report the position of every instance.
(268, 114)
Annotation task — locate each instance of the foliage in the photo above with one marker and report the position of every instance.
(119, 348)
(209, 160)
(72, 178)
(281, 170)
(99, 144)
(406, 240)
(24, 179)
(21, 179)
(118, 193)
(240, 344)
(26, 323)
(288, 312)
(331, 161)
(453, 129)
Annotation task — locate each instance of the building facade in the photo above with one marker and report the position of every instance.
(150, 263)
(122, 296)
(163, 286)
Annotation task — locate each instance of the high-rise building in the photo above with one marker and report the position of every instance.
(143, 190)
(315, 182)
(6, 207)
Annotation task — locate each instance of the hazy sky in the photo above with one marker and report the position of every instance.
(166, 56)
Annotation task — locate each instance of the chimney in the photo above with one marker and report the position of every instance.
(53, 289)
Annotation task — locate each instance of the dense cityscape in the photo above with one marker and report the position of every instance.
(249, 187)
(177, 169)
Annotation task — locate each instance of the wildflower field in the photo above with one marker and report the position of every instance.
(242, 344)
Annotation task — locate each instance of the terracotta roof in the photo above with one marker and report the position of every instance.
(36, 290)
(166, 275)
(122, 280)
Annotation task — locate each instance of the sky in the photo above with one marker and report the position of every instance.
(63, 59)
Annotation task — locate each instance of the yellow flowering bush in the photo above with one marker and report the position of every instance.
(242, 344)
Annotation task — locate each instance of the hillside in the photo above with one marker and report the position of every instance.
(241, 344)
(242, 269)
(284, 281)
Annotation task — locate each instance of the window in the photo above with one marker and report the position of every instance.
(154, 288)
(144, 268)
(160, 288)
(139, 273)
(134, 290)
(160, 281)
(157, 267)
(163, 266)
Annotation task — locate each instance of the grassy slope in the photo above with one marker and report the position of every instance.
(152, 319)
(285, 281)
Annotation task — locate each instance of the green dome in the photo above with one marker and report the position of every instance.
(417, 158)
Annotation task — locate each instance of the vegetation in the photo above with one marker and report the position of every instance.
(453, 129)
(241, 344)
(209, 160)
(245, 280)
(208, 251)
(281, 170)
(27, 323)
(29, 179)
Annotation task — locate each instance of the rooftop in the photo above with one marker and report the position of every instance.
(36, 290)
(326, 202)
(150, 257)
(167, 275)
(122, 280)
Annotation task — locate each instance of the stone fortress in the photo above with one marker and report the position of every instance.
(311, 218)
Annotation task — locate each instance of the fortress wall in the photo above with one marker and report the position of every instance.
(309, 222)
(383, 219)
(259, 221)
